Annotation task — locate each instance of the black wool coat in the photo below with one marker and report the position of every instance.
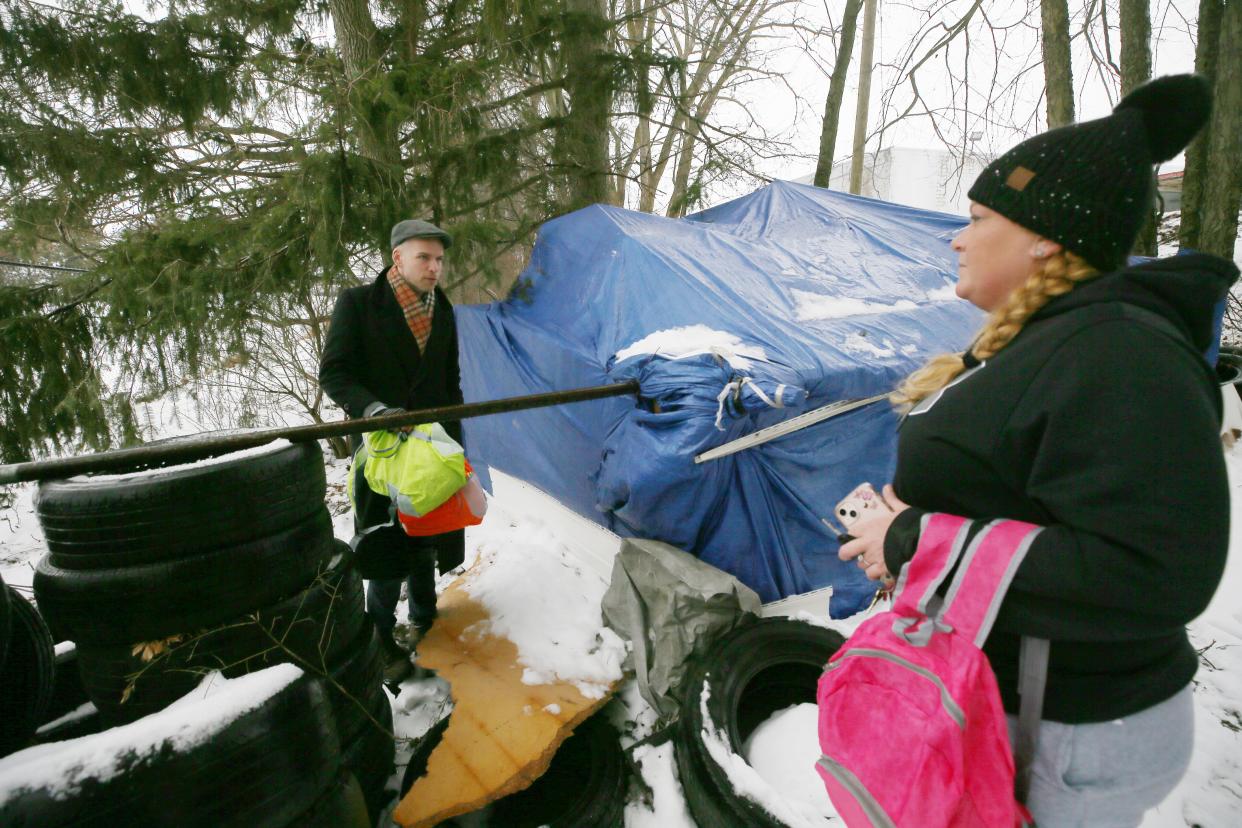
(371, 356)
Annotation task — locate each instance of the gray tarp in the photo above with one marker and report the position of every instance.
(671, 606)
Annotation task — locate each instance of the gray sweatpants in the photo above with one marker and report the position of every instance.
(1106, 774)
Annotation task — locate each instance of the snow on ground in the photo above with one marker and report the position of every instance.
(546, 600)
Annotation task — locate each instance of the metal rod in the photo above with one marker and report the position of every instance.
(189, 449)
(765, 435)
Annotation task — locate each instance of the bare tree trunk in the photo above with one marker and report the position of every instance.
(836, 90)
(1222, 190)
(1058, 72)
(864, 98)
(1207, 53)
(583, 141)
(1136, 71)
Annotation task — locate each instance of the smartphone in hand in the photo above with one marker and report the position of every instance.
(858, 503)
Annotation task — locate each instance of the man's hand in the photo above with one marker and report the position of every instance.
(867, 548)
(385, 411)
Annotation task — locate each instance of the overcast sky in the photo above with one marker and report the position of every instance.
(1003, 52)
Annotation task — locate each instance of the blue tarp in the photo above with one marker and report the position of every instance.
(827, 297)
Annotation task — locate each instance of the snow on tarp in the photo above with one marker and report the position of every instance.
(809, 295)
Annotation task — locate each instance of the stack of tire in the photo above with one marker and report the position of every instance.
(230, 565)
(27, 663)
(262, 753)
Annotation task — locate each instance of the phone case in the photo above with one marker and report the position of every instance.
(857, 503)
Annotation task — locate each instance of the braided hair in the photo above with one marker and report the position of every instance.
(1059, 274)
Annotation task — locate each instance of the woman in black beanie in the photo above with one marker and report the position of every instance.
(1084, 406)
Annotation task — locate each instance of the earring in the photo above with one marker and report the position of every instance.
(1040, 251)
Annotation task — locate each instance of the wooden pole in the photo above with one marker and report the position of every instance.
(864, 98)
(199, 447)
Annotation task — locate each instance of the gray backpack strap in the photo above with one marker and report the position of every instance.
(1032, 675)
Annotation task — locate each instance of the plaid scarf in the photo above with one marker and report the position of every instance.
(417, 307)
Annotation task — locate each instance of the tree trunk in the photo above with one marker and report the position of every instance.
(864, 99)
(836, 90)
(376, 131)
(1136, 71)
(1222, 190)
(582, 141)
(1206, 57)
(1058, 72)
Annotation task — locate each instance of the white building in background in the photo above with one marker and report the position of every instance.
(932, 179)
(936, 179)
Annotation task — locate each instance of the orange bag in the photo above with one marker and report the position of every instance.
(465, 508)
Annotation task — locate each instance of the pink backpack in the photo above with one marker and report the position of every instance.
(910, 718)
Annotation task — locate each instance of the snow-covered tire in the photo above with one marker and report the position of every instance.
(26, 680)
(314, 627)
(154, 601)
(114, 521)
(748, 675)
(263, 769)
(583, 787)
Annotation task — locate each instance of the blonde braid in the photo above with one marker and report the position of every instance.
(1058, 275)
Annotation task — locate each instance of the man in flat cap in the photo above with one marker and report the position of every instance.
(392, 346)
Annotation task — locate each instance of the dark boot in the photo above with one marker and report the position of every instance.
(396, 660)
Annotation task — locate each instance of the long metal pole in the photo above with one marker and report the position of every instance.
(190, 449)
(864, 98)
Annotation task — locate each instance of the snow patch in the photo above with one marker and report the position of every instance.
(679, 343)
(811, 306)
(255, 451)
(667, 808)
(783, 750)
(542, 601)
(860, 344)
(748, 782)
(947, 293)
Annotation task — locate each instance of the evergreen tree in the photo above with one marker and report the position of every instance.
(228, 162)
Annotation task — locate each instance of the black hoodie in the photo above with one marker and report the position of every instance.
(1099, 421)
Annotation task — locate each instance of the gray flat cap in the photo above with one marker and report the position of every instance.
(418, 229)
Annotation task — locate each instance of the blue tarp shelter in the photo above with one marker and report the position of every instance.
(732, 319)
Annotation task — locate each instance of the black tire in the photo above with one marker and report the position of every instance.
(343, 806)
(583, 787)
(26, 680)
(263, 769)
(749, 674)
(370, 757)
(163, 516)
(315, 626)
(4, 621)
(154, 601)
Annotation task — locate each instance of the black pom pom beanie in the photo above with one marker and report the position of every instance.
(1089, 186)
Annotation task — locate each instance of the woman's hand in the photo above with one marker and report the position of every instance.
(867, 548)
